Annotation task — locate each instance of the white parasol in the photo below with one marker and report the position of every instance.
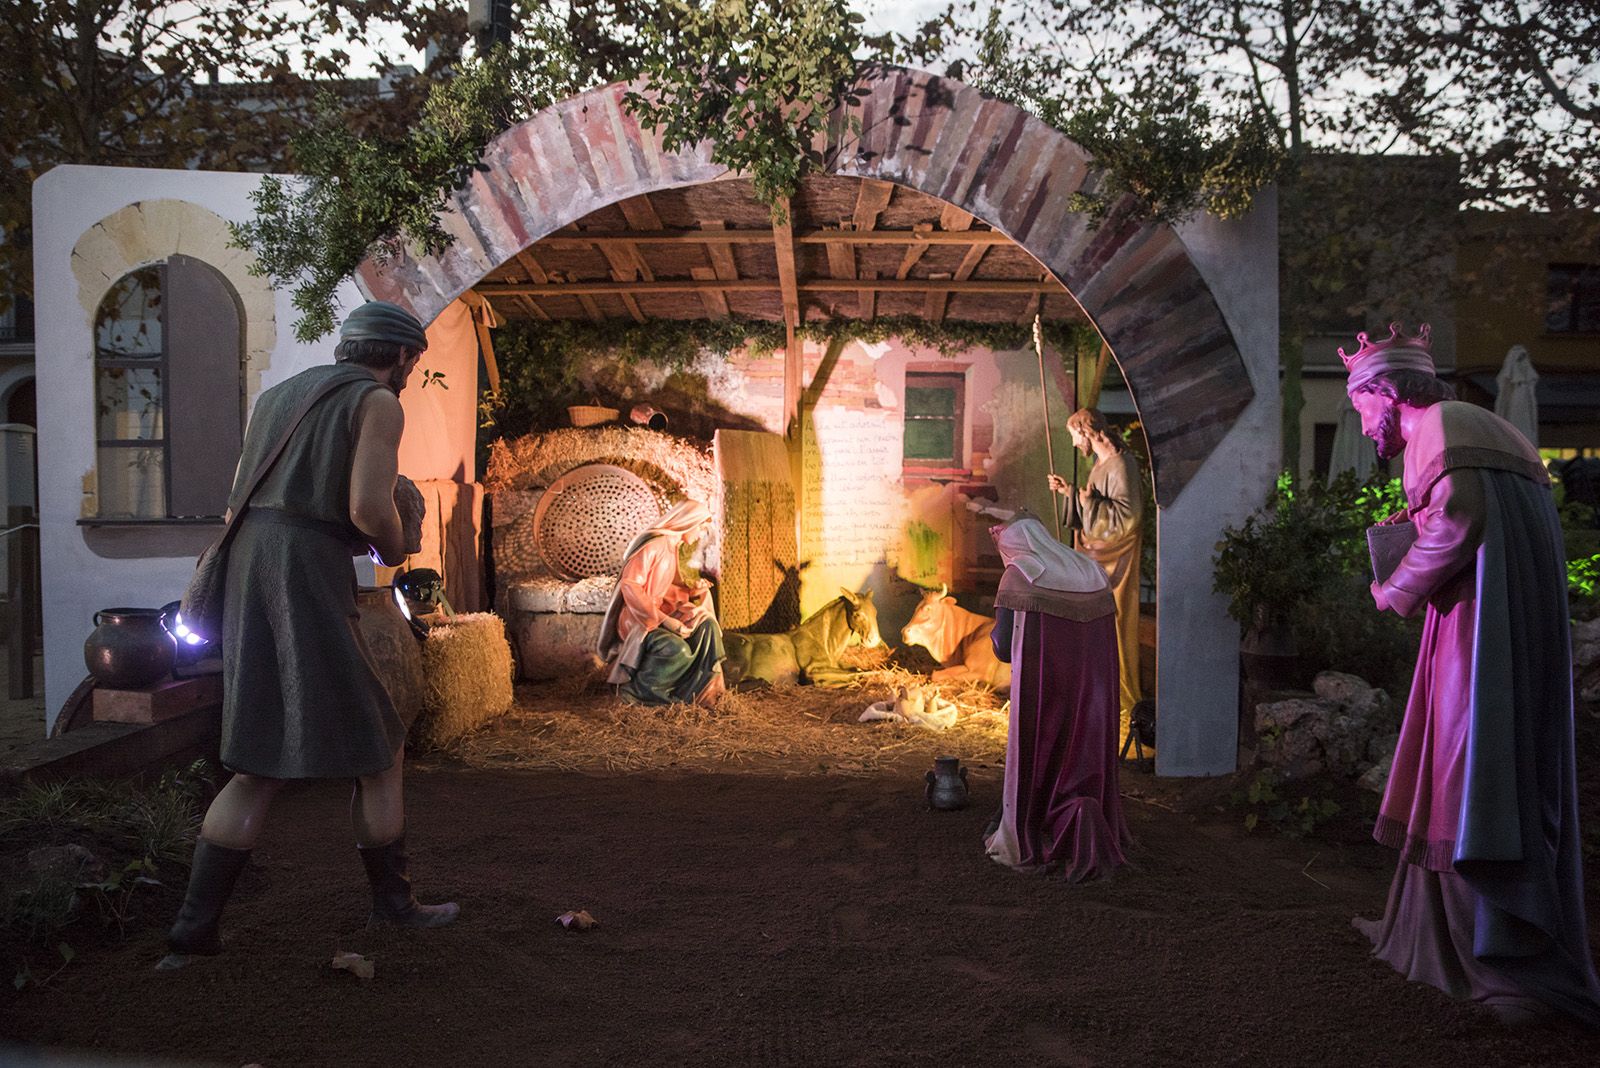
(1351, 449)
(1516, 393)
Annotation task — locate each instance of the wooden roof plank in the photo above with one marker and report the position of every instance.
(914, 253)
(841, 260)
(529, 263)
(937, 300)
(715, 300)
(953, 218)
(872, 198)
(640, 213)
(719, 253)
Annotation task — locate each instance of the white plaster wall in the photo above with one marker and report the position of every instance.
(1197, 681)
(85, 570)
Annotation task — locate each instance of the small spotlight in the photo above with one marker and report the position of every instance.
(191, 649)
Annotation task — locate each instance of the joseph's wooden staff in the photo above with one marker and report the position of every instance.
(1044, 395)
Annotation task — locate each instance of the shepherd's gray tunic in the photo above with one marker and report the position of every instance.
(301, 697)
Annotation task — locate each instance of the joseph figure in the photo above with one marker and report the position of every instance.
(1109, 509)
(1487, 899)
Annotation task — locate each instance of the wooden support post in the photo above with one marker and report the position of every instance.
(22, 589)
(792, 360)
(783, 247)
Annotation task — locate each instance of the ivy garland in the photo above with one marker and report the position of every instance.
(543, 364)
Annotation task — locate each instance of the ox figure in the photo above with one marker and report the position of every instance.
(808, 653)
(958, 639)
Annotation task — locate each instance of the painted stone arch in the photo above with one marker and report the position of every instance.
(149, 231)
(1134, 279)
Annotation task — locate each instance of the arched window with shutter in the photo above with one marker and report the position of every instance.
(169, 392)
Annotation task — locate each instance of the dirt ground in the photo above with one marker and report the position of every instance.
(774, 918)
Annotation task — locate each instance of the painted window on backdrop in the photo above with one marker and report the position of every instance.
(169, 392)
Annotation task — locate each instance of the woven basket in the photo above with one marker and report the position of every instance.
(591, 415)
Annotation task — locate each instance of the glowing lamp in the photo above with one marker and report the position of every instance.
(190, 648)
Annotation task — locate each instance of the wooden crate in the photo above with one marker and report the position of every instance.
(162, 701)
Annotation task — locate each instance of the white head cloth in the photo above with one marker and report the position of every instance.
(1026, 545)
(680, 519)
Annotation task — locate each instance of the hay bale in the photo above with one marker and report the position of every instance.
(466, 664)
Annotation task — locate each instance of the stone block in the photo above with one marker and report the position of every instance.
(539, 595)
(164, 219)
(592, 594)
(553, 645)
(128, 233)
(97, 262)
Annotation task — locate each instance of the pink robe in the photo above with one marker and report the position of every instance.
(648, 592)
(1487, 900)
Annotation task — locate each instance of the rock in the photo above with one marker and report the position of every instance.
(67, 863)
(1284, 715)
(1339, 686)
(1292, 735)
(1585, 644)
(1344, 742)
(1331, 732)
(1377, 777)
(1353, 694)
(1381, 747)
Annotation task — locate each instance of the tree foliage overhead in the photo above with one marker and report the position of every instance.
(1173, 149)
(1504, 92)
(1510, 86)
(220, 85)
(361, 195)
(756, 78)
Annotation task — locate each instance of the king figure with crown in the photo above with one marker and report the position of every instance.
(1487, 901)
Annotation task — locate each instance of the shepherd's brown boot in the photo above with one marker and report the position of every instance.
(393, 903)
(211, 878)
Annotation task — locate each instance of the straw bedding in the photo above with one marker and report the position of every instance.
(578, 725)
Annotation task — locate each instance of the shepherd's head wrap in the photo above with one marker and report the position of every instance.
(379, 320)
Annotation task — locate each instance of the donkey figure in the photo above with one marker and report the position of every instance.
(810, 652)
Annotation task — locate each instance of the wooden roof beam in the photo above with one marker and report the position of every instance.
(914, 253)
(535, 272)
(723, 267)
(969, 264)
(783, 246)
(923, 234)
(871, 199)
(764, 285)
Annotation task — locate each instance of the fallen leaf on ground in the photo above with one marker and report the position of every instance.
(579, 920)
(354, 963)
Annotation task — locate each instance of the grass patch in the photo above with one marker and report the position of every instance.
(81, 858)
